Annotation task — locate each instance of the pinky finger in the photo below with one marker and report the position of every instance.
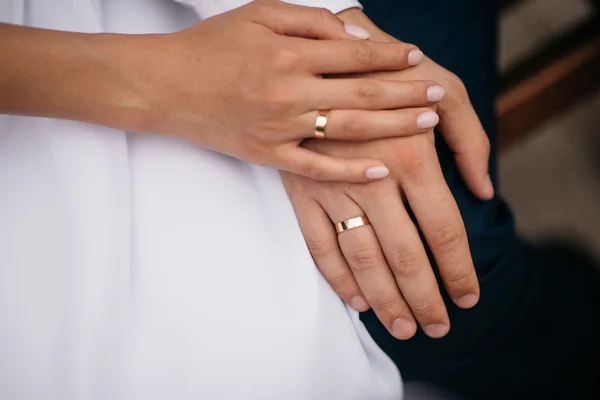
(319, 167)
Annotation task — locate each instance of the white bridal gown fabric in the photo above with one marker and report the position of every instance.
(134, 266)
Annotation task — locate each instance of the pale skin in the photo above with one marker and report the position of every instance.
(384, 265)
(252, 91)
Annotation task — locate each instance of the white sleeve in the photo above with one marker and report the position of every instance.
(208, 8)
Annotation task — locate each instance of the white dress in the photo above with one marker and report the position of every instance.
(134, 266)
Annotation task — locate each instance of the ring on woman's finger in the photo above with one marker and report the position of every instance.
(321, 124)
(352, 223)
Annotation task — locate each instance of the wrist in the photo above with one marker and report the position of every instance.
(120, 100)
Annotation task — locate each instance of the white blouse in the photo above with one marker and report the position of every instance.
(135, 266)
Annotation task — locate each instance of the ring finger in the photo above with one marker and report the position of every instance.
(369, 266)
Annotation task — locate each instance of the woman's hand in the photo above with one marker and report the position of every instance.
(246, 84)
(384, 265)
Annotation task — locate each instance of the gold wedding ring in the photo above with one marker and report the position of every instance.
(352, 223)
(321, 124)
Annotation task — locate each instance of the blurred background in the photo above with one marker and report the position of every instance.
(549, 118)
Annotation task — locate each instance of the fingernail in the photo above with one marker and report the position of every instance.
(377, 172)
(427, 120)
(415, 57)
(436, 330)
(489, 186)
(357, 31)
(403, 329)
(467, 301)
(435, 94)
(359, 303)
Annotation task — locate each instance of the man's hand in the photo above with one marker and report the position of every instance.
(459, 123)
(385, 265)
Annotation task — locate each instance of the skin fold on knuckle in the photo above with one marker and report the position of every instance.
(456, 92)
(363, 259)
(459, 281)
(320, 248)
(326, 17)
(389, 304)
(448, 238)
(285, 61)
(410, 160)
(277, 100)
(428, 310)
(363, 54)
(315, 172)
(343, 285)
(403, 262)
(370, 94)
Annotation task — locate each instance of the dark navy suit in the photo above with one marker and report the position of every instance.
(536, 330)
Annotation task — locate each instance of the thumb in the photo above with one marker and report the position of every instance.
(307, 22)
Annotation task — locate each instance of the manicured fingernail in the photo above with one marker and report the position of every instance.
(403, 329)
(435, 94)
(359, 303)
(436, 330)
(467, 301)
(415, 57)
(377, 172)
(357, 31)
(489, 186)
(427, 120)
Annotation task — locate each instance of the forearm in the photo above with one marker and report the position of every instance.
(68, 75)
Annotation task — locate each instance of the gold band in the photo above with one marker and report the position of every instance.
(321, 124)
(352, 223)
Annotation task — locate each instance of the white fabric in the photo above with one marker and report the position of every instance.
(134, 266)
(208, 8)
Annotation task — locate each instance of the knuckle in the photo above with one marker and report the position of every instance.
(314, 172)
(457, 90)
(363, 259)
(484, 147)
(363, 53)
(410, 159)
(284, 60)
(326, 16)
(319, 248)
(342, 282)
(370, 94)
(403, 262)
(278, 99)
(387, 303)
(417, 93)
(448, 238)
(423, 307)
(458, 278)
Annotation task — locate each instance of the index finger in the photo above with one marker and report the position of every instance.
(357, 56)
(440, 221)
(466, 137)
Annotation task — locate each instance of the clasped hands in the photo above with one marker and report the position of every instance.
(249, 83)
(384, 265)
